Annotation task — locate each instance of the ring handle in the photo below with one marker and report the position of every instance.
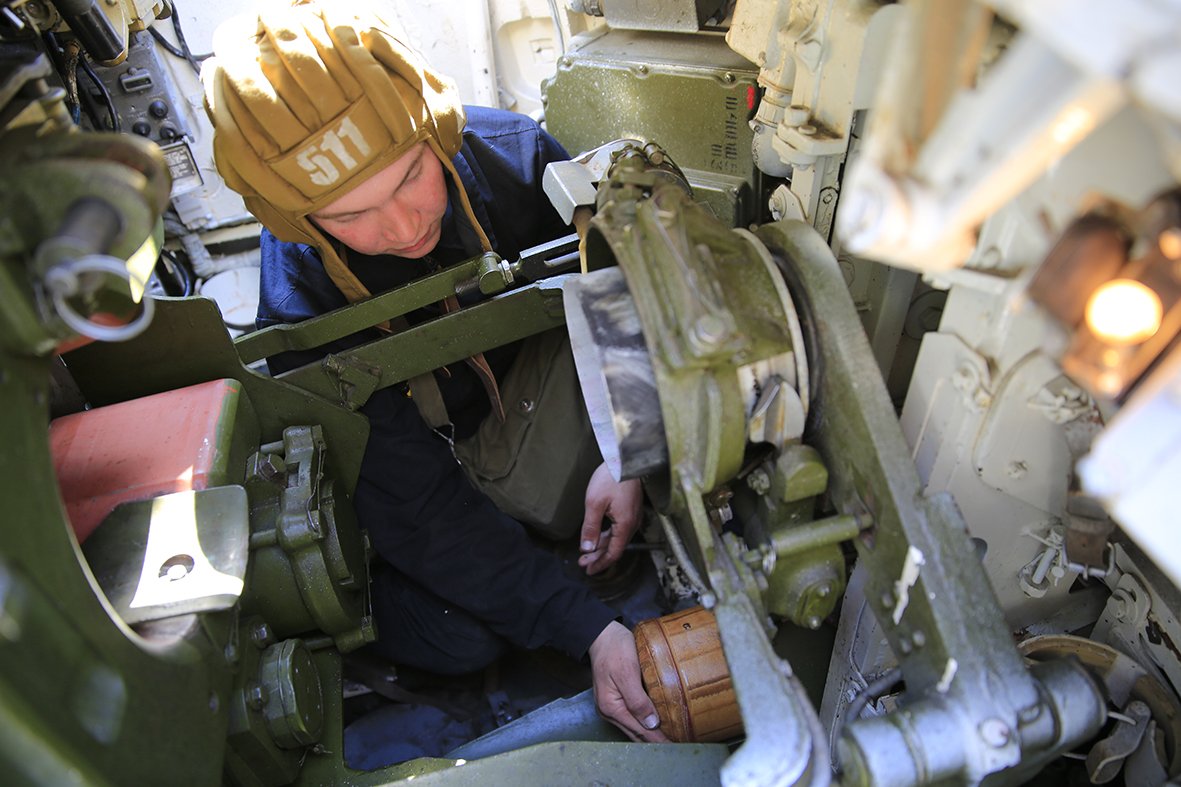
(62, 282)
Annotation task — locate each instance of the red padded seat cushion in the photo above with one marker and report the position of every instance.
(168, 442)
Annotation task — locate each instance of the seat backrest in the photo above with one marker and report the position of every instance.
(168, 442)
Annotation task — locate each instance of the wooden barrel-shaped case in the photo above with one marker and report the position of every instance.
(685, 674)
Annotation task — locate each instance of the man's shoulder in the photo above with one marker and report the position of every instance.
(293, 283)
(497, 139)
(489, 123)
(280, 251)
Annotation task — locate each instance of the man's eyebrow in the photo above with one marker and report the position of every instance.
(418, 150)
(335, 216)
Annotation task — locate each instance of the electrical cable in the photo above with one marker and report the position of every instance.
(172, 48)
(180, 271)
(84, 63)
(181, 47)
(65, 62)
(180, 37)
(556, 19)
(875, 688)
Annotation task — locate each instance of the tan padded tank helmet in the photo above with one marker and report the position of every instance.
(309, 101)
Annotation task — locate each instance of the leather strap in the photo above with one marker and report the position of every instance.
(424, 389)
(480, 366)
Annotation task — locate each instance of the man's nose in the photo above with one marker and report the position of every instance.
(399, 224)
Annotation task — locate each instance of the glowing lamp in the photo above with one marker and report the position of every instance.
(1124, 311)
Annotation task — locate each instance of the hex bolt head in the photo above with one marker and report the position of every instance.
(759, 482)
(255, 696)
(995, 733)
(261, 635)
(709, 331)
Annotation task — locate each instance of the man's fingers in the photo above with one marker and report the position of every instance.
(596, 504)
(615, 549)
(638, 703)
(599, 558)
(618, 714)
(592, 525)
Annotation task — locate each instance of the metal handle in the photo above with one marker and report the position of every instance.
(62, 283)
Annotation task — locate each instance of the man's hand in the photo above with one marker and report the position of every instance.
(619, 502)
(619, 692)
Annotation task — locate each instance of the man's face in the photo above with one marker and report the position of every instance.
(397, 211)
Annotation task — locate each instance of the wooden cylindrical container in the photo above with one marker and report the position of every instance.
(685, 674)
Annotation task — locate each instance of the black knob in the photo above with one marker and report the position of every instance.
(168, 132)
(158, 109)
(142, 127)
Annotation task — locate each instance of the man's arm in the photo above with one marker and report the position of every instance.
(426, 520)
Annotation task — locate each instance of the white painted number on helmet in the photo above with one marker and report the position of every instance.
(323, 170)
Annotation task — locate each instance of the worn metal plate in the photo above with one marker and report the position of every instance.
(174, 554)
(656, 87)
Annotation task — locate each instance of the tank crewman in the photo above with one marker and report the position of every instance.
(366, 173)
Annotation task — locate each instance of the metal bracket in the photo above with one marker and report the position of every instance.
(356, 381)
